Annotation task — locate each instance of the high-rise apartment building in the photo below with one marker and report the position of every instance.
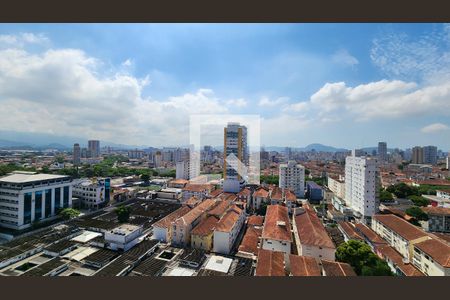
(430, 155)
(292, 176)
(361, 185)
(235, 143)
(94, 148)
(417, 155)
(76, 154)
(382, 151)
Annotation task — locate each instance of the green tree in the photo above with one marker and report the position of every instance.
(417, 213)
(145, 177)
(359, 255)
(269, 179)
(123, 213)
(385, 196)
(69, 213)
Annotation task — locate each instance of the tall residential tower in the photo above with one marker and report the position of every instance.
(236, 157)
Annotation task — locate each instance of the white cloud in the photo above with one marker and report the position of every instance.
(241, 102)
(433, 128)
(266, 102)
(424, 57)
(343, 57)
(66, 92)
(22, 39)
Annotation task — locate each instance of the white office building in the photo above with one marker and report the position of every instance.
(28, 197)
(361, 185)
(292, 176)
(235, 142)
(187, 170)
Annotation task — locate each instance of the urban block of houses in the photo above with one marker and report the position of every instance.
(162, 229)
(202, 234)
(200, 191)
(276, 235)
(311, 237)
(227, 230)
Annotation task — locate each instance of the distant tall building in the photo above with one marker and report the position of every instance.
(448, 161)
(235, 142)
(94, 148)
(382, 151)
(136, 154)
(430, 155)
(187, 170)
(417, 155)
(361, 185)
(76, 154)
(287, 153)
(292, 176)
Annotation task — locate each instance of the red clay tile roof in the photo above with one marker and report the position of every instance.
(400, 226)
(304, 266)
(334, 268)
(219, 209)
(245, 192)
(273, 224)
(290, 196)
(369, 234)
(194, 187)
(311, 231)
(167, 220)
(228, 221)
(192, 215)
(270, 263)
(255, 220)
(179, 181)
(261, 192)
(350, 231)
(437, 250)
(438, 211)
(387, 252)
(277, 193)
(193, 201)
(250, 240)
(444, 237)
(205, 227)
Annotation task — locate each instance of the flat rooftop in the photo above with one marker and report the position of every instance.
(23, 177)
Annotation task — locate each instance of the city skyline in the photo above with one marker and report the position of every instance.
(345, 85)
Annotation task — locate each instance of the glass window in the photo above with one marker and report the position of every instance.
(37, 205)
(27, 208)
(57, 199)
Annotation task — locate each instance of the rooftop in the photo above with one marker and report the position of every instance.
(250, 240)
(270, 263)
(400, 226)
(437, 250)
(277, 225)
(369, 234)
(439, 211)
(311, 231)
(332, 268)
(30, 177)
(255, 220)
(350, 231)
(227, 222)
(206, 226)
(194, 213)
(304, 266)
(167, 220)
(390, 253)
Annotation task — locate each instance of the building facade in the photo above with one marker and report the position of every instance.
(94, 148)
(93, 194)
(292, 176)
(76, 154)
(186, 170)
(361, 185)
(28, 197)
(382, 151)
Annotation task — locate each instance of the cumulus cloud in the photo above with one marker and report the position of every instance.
(67, 92)
(266, 102)
(343, 57)
(433, 128)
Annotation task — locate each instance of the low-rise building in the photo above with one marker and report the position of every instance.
(314, 192)
(432, 257)
(438, 218)
(399, 266)
(123, 237)
(398, 233)
(334, 268)
(311, 237)
(270, 263)
(202, 234)
(94, 194)
(261, 195)
(162, 229)
(170, 194)
(182, 226)
(276, 235)
(227, 230)
(200, 191)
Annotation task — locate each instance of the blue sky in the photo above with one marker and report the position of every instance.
(346, 85)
